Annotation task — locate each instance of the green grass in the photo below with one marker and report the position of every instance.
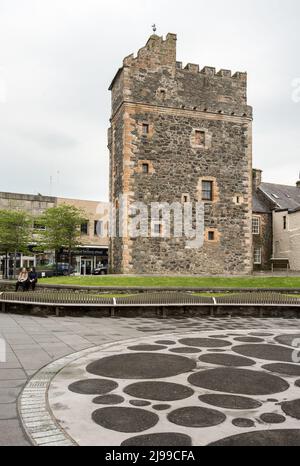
(187, 282)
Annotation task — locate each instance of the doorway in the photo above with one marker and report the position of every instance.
(86, 266)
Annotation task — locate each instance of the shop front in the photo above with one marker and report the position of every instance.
(86, 259)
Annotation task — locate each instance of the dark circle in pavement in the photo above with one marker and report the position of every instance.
(264, 438)
(185, 350)
(286, 369)
(272, 418)
(166, 439)
(239, 381)
(230, 401)
(217, 336)
(292, 408)
(108, 400)
(125, 419)
(204, 342)
(226, 360)
(161, 407)
(288, 339)
(165, 342)
(139, 403)
(160, 391)
(216, 350)
(146, 348)
(268, 352)
(93, 386)
(297, 383)
(249, 339)
(243, 423)
(141, 366)
(195, 416)
(261, 334)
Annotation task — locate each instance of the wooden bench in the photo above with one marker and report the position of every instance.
(280, 263)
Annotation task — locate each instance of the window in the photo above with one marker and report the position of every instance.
(257, 256)
(84, 228)
(157, 229)
(185, 199)
(284, 223)
(200, 138)
(207, 190)
(145, 168)
(145, 129)
(98, 228)
(211, 236)
(255, 225)
(237, 199)
(162, 94)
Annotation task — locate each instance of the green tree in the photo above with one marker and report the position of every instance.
(15, 233)
(62, 228)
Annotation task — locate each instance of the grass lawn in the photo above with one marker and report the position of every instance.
(187, 282)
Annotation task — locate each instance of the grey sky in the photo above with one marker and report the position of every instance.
(58, 57)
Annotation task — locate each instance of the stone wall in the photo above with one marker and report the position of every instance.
(153, 89)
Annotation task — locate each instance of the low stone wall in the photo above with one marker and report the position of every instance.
(155, 312)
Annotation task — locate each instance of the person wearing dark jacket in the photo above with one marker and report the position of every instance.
(32, 279)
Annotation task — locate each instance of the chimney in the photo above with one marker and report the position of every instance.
(257, 178)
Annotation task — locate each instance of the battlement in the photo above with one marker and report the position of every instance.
(157, 51)
(211, 71)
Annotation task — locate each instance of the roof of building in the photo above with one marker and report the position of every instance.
(283, 197)
(258, 206)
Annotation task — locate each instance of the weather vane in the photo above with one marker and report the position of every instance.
(154, 27)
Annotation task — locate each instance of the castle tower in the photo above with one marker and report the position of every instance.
(181, 135)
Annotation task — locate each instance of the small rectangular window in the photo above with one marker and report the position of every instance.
(145, 168)
(284, 223)
(211, 236)
(257, 256)
(145, 128)
(200, 138)
(207, 190)
(255, 225)
(84, 228)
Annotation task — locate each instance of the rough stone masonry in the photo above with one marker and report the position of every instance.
(182, 135)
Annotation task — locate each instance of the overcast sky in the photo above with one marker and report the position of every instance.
(58, 57)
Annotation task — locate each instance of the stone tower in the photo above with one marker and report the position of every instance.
(182, 135)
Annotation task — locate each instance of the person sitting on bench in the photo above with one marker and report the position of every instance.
(32, 279)
(22, 280)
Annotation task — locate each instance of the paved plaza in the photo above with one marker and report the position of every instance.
(148, 381)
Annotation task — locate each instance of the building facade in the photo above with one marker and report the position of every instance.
(93, 250)
(182, 135)
(276, 223)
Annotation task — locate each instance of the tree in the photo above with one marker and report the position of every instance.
(15, 233)
(62, 228)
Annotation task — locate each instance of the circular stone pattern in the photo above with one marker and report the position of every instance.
(264, 438)
(249, 339)
(205, 342)
(297, 383)
(161, 407)
(195, 416)
(108, 400)
(230, 401)
(288, 339)
(166, 439)
(125, 419)
(243, 423)
(93, 386)
(292, 408)
(226, 360)
(286, 369)
(239, 381)
(160, 391)
(165, 342)
(141, 366)
(272, 418)
(185, 350)
(140, 403)
(146, 348)
(268, 352)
